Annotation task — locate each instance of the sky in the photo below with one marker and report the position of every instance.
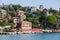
(55, 4)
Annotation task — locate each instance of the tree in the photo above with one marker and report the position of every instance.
(16, 6)
(2, 24)
(12, 13)
(39, 13)
(51, 22)
(42, 21)
(53, 11)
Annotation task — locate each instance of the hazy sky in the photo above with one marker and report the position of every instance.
(47, 3)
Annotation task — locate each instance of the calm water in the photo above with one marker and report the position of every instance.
(43, 36)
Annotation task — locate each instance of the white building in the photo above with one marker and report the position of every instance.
(3, 13)
(41, 7)
(33, 9)
(49, 14)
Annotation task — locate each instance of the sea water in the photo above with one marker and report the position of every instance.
(40, 36)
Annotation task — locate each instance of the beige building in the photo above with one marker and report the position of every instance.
(15, 19)
(21, 15)
(26, 26)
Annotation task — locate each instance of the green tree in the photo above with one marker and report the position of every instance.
(12, 13)
(16, 6)
(2, 24)
(53, 11)
(42, 21)
(51, 22)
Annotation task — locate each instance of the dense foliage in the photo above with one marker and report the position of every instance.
(38, 18)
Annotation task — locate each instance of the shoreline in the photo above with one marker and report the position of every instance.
(12, 33)
(9, 33)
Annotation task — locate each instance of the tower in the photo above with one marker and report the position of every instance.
(21, 15)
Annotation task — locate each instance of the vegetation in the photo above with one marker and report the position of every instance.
(7, 30)
(38, 18)
(2, 24)
(51, 22)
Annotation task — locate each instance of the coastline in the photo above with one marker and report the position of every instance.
(43, 31)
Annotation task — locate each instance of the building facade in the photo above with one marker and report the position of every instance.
(58, 22)
(33, 9)
(41, 7)
(21, 15)
(2, 13)
(26, 26)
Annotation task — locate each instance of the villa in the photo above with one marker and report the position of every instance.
(26, 26)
